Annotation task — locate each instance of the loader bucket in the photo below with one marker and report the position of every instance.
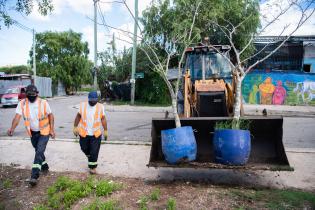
(267, 150)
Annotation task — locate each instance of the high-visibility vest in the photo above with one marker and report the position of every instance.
(83, 129)
(44, 126)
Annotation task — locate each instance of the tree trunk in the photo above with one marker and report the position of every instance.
(175, 113)
(238, 101)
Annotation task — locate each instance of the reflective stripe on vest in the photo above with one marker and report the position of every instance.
(42, 118)
(83, 128)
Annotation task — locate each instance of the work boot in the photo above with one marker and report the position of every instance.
(92, 171)
(45, 169)
(32, 182)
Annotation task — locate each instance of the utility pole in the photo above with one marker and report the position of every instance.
(134, 53)
(34, 56)
(95, 44)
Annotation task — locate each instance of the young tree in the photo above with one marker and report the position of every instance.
(240, 66)
(24, 7)
(183, 35)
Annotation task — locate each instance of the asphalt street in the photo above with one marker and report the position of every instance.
(122, 125)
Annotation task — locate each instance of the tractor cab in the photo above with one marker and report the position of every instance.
(207, 88)
(207, 63)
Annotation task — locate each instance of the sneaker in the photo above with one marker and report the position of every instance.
(92, 170)
(32, 181)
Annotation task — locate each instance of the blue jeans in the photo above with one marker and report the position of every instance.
(39, 143)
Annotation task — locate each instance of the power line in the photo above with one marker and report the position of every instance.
(20, 25)
(103, 18)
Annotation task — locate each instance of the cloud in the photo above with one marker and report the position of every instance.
(290, 19)
(142, 5)
(84, 7)
(123, 39)
(88, 35)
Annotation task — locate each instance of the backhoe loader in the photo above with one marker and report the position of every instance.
(207, 95)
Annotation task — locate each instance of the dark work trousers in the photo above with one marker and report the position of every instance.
(39, 143)
(90, 145)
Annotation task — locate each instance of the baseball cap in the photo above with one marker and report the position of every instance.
(31, 90)
(93, 96)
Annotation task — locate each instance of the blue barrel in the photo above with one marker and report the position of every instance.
(179, 145)
(231, 147)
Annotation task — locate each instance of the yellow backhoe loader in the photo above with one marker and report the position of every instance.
(207, 96)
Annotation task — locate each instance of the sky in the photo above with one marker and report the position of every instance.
(77, 15)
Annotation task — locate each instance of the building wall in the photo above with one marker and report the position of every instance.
(309, 55)
(279, 87)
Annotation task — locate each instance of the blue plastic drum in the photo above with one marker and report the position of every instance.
(179, 145)
(231, 147)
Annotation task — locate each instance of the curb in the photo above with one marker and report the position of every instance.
(140, 143)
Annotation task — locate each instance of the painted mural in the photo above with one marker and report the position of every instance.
(278, 88)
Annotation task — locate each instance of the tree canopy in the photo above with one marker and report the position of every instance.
(165, 17)
(24, 7)
(63, 57)
(20, 69)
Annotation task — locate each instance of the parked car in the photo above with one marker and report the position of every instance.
(12, 96)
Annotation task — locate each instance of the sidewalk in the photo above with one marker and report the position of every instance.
(130, 161)
(249, 109)
(280, 110)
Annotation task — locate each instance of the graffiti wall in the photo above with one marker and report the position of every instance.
(278, 88)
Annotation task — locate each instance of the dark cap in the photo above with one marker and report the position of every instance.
(31, 90)
(93, 96)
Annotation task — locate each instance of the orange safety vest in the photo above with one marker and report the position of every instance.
(42, 118)
(83, 130)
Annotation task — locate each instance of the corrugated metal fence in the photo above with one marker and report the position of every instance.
(44, 85)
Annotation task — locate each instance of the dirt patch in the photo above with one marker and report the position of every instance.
(140, 194)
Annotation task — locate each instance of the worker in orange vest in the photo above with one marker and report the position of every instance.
(87, 125)
(39, 124)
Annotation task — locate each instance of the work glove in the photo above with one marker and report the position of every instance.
(10, 132)
(105, 135)
(75, 131)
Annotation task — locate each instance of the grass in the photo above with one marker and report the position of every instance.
(99, 205)
(86, 89)
(137, 103)
(104, 187)
(66, 191)
(155, 194)
(275, 199)
(7, 184)
(171, 204)
(143, 203)
(40, 207)
(228, 124)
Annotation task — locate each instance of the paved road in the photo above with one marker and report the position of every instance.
(122, 125)
(127, 124)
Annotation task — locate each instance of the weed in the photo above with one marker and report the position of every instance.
(40, 207)
(2, 206)
(55, 201)
(104, 187)
(171, 204)
(7, 184)
(65, 191)
(276, 199)
(155, 195)
(143, 203)
(98, 205)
